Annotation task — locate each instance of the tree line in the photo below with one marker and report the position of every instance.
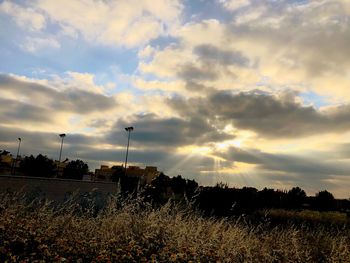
(221, 200)
(218, 200)
(42, 166)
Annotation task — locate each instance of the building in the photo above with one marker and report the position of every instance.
(104, 173)
(146, 175)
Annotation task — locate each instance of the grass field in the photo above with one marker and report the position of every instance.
(130, 231)
(309, 217)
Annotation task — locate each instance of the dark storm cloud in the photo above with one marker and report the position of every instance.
(191, 72)
(268, 115)
(212, 54)
(13, 111)
(164, 132)
(212, 62)
(192, 85)
(81, 139)
(118, 155)
(35, 140)
(68, 100)
(79, 146)
(294, 164)
(47, 143)
(310, 172)
(338, 151)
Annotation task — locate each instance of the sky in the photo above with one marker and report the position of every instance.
(246, 92)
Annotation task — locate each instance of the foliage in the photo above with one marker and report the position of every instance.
(295, 197)
(4, 154)
(325, 201)
(131, 231)
(219, 200)
(224, 201)
(75, 170)
(39, 166)
(176, 188)
(307, 217)
(117, 174)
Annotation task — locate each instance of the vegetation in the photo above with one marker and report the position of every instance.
(42, 166)
(306, 217)
(219, 200)
(75, 170)
(39, 166)
(222, 201)
(171, 220)
(132, 231)
(4, 167)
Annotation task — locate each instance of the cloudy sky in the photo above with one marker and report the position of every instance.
(248, 92)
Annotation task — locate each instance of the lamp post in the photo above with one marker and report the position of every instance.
(15, 163)
(128, 129)
(62, 135)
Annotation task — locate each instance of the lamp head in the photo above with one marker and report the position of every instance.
(19, 139)
(129, 128)
(62, 135)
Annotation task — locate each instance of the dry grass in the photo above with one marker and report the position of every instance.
(129, 231)
(330, 217)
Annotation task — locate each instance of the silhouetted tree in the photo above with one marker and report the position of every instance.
(269, 198)
(161, 181)
(159, 191)
(4, 152)
(216, 201)
(178, 184)
(191, 188)
(117, 173)
(295, 197)
(75, 170)
(4, 166)
(247, 199)
(39, 166)
(221, 185)
(324, 201)
(162, 188)
(129, 184)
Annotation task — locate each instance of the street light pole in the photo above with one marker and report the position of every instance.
(128, 129)
(62, 136)
(15, 163)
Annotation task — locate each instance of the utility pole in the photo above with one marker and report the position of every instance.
(15, 162)
(62, 135)
(128, 129)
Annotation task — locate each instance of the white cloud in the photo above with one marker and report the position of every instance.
(299, 45)
(170, 86)
(33, 45)
(146, 52)
(114, 23)
(25, 17)
(233, 5)
(206, 58)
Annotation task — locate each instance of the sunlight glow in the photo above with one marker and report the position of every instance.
(197, 150)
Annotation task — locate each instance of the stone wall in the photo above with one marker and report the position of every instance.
(53, 188)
